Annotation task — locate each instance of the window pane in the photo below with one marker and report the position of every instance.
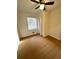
(32, 23)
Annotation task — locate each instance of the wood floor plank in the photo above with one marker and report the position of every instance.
(38, 47)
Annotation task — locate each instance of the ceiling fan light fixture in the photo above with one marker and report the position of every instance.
(42, 6)
(37, 0)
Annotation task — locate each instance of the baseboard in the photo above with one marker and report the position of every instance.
(52, 37)
(28, 36)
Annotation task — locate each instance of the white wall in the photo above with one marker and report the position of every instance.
(55, 23)
(22, 23)
(51, 23)
(44, 23)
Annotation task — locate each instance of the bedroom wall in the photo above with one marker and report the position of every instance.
(55, 23)
(22, 23)
(44, 23)
(51, 23)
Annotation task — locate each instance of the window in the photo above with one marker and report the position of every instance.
(32, 23)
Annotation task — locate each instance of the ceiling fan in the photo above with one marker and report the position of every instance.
(42, 4)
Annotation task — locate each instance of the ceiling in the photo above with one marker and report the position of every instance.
(28, 6)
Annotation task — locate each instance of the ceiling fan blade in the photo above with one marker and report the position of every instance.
(40, 0)
(35, 1)
(49, 3)
(37, 7)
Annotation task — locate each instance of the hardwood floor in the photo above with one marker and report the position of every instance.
(38, 47)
